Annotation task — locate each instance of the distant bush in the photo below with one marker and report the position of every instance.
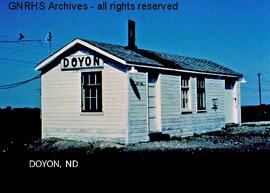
(19, 125)
(255, 113)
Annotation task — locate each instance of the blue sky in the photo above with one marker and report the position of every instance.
(233, 33)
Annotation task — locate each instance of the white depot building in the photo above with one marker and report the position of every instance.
(92, 90)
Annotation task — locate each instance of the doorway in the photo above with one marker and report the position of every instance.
(152, 103)
(230, 102)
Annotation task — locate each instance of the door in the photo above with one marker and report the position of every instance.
(152, 107)
(230, 102)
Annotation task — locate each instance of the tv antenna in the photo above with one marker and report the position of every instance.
(48, 38)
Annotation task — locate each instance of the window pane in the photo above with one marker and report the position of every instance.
(201, 94)
(96, 97)
(87, 104)
(86, 92)
(91, 92)
(185, 92)
(203, 101)
(99, 104)
(185, 98)
(99, 92)
(93, 104)
(82, 79)
(92, 79)
(98, 75)
(83, 99)
(185, 82)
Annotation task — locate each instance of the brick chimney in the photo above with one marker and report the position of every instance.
(131, 35)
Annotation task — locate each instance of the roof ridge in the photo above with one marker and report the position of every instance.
(150, 58)
(157, 52)
(102, 42)
(173, 61)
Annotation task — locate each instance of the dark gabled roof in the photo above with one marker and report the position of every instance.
(124, 53)
(195, 64)
(158, 59)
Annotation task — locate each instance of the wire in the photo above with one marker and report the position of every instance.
(27, 44)
(24, 42)
(16, 41)
(13, 85)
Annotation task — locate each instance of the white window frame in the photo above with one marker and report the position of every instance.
(197, 92)
(187, 87)
(98, 91)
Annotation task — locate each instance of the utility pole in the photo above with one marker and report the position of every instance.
(260, 91)
(260, 97)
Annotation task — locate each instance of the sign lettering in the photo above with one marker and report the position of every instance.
(81, 62)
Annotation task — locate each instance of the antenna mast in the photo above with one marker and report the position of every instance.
(49, 39)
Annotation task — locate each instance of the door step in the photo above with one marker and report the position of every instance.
(158, 136)
(228, 125)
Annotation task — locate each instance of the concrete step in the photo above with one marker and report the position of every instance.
(158, 136)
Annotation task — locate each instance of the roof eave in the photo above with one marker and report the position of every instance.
(54, 56)
(185, 71)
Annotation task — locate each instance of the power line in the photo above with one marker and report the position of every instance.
(20, 41)
(26, 44)
(13, 85)
(17, 41)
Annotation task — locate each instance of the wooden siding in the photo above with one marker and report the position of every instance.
(211, 119)
(175, 123)
(125, 107)
(170, 104)
(238, 95)
(138, 105)
(61, 106)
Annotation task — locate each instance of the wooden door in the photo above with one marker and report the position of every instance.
(152, 107)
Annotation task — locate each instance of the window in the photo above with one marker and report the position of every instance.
(201, 94)
(185, 93)
(229, 84)
(91, 92)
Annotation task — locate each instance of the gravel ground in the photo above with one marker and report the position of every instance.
(251, 136)
(252, 140)
(248, 137)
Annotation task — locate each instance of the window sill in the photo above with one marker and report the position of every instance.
(92, 113)
(201, 111)
(186, 112)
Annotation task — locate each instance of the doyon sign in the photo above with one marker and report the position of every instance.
(80, 62)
